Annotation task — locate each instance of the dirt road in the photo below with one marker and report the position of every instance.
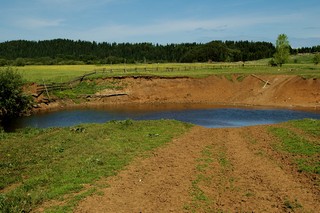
(209, 170)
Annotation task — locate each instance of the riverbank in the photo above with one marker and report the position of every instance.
(284, 91)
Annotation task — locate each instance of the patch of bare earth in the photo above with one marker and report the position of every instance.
(209, 170)
(283, 91)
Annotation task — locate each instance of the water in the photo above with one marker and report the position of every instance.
(210, 117)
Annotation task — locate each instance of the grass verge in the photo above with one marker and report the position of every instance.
(40, 165)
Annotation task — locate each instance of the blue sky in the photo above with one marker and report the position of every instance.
(162, 21)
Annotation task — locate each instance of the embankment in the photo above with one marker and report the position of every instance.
(265, 90)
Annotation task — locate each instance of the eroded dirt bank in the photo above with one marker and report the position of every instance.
(210, 170)
(283, 91)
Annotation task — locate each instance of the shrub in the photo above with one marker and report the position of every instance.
(272, 63)
(13, 102)
(316, 59)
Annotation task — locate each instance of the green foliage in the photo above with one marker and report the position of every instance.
(282, 50)
(301, 59)
(13, 102)
(314, 49)
(272, 62)
(316, 59)
(3, 62)
(64, 51)
(53, 164)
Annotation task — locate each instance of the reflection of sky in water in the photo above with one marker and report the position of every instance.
(213, 118)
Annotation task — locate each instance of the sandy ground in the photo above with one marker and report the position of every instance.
(244, 175)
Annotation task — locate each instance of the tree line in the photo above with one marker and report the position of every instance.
(65, 51)
(314, 49)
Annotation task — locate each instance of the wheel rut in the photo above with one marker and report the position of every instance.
(219, 164)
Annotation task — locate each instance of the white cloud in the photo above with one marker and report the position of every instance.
(167, 27)
(32, 23)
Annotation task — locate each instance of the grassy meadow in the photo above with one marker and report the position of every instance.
(297, 65)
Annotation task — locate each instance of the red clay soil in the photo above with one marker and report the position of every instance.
(209, 170)
(284, 91)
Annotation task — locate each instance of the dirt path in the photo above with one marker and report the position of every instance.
(207, 170)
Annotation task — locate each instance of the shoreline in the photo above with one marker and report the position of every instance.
(283, 91)
(69, 105)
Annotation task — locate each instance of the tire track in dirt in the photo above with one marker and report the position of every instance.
(156, 184)
(240, 179)
(271, 187)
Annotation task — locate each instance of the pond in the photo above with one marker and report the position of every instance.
(207, 116)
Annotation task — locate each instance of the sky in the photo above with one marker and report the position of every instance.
(161, 21)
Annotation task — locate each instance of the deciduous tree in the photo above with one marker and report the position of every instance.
(282, 49)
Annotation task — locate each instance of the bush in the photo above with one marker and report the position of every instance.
(316, 59)
(19, 62)
(3, 62)
(272, 63)
(13, 102)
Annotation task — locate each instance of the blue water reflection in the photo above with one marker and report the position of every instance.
(211, 118)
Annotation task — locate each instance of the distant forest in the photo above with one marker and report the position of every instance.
(65, 51)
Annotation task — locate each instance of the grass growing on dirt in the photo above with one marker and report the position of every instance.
(310, 126)
(304, 145)
(39, 165)
(85, 88)
(200, 200)
(212, 171)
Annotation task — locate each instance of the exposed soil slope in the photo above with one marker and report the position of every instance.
(210, 170)
(283, 91)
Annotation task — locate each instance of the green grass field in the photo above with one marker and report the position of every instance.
(39, 165)
(297, 65)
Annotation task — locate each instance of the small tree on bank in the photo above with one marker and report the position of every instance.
(282, 50)
(13, 102)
